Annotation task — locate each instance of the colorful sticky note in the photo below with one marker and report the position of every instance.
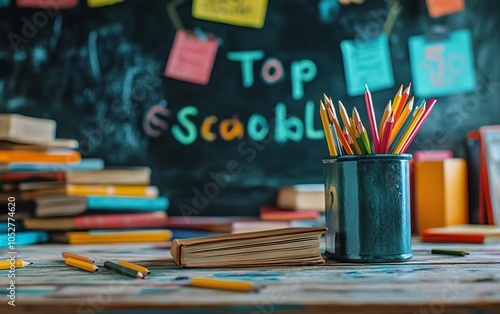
(438, 8)
(442, 67)
(249, 13)
(367, 63)
(191, 59)
(50, 4)
(102, 3)
(4, 3)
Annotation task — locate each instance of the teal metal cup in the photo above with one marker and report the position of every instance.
(367, 199)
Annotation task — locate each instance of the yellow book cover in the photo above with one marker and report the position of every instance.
(112, 190)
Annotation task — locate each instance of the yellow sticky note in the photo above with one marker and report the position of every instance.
(102, 3)
(249, 13)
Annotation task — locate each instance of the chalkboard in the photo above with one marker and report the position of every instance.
(99, 72)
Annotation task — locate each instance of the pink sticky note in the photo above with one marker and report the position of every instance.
(191, 59)
(50, 4)
(438, 8)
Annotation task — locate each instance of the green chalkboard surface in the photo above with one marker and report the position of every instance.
(225, 147)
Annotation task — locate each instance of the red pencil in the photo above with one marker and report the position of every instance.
(389, 124)
(372, 119)
(419, 124)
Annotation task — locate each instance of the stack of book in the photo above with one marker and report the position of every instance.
(66, 194)
(29, 152)
(300, 205)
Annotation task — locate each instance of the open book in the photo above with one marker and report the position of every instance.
(280, 247)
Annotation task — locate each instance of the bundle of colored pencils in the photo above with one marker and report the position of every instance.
(398, 127)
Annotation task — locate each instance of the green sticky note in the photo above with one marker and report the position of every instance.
(4, 3)
(442, 67)
(367, 63)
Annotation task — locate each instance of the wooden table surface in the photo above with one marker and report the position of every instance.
(426, 284)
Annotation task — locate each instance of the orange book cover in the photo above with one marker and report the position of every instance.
(26, 156)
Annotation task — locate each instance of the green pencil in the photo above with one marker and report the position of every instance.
(449, 252)
(122, 270)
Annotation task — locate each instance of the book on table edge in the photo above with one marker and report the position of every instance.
(280, 247)
(462, 234)
(277, 214)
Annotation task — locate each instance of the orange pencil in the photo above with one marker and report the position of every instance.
(78, 257)
(345, 119)
(409, 129)
(328, 132)
(401, 120)
(402, 102)
(421, 121)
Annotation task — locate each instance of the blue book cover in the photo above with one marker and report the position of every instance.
(84, 164)
(127, 203)
(23, 238)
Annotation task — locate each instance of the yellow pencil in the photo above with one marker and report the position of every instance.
(17, 263)
(333, 118)
(82, 265)
(139, 268)
(232, 285)
(406, 134)
(397, 99)
(350, 130)
(328, 133)
(78, 257)
(402, 118)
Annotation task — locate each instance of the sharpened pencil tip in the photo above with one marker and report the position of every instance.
(366, 88)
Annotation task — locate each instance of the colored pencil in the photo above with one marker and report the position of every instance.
(333, 118)
(81, 265)
(122, 270)
(387, 111)
(350, 130)
(78, 257)
(326, 128)
(232, 285)
(409, 129)
(389, 124)
(371, 117)
(397, 98)
(432, 102)
(401, 120)
(133, 266)
(449, 252)
(402, 102)
(17, 263)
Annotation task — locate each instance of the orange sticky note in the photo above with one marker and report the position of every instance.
(191, 59)
(438, 8)
(50, 4)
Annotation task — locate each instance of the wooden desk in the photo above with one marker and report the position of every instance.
(427, 284)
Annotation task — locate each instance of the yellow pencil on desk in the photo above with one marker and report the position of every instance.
(14, 263)
(143, 270)
(78, 257)
(232, 285)
(81, 265)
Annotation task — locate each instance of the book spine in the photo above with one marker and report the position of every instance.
(110, 190)
(127, 203)
(37, 157)
(120, 221)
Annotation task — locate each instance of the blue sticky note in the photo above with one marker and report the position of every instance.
(367, 63)
(4, 3)
(442, 67)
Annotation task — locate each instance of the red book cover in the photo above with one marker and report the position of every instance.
(121, 221)
(276, 214)
(59, 176)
